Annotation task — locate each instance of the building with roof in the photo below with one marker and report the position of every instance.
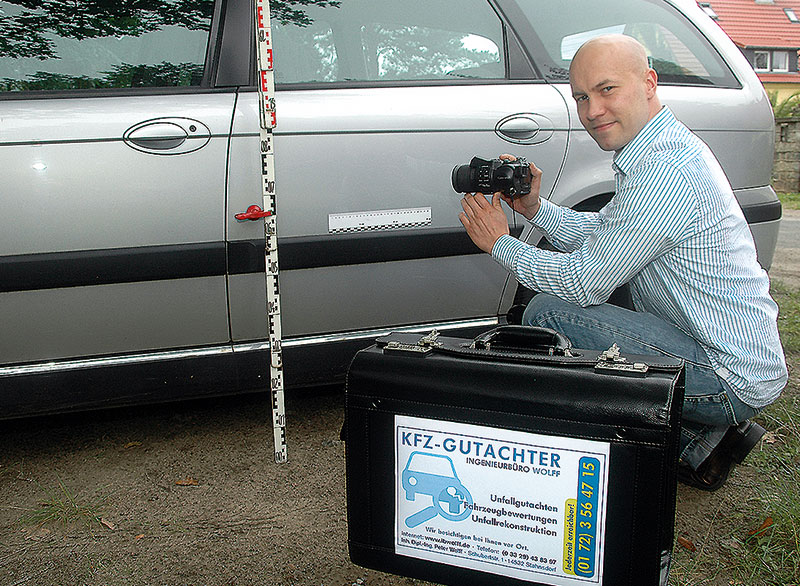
(768, 33)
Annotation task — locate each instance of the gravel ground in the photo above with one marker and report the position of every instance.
(187, 494)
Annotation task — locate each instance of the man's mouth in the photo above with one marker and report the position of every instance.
(603, 127)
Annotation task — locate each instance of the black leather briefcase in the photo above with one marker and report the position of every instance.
(512, 459)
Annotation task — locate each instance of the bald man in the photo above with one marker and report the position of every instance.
(674, 232)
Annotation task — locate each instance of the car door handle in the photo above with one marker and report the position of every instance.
(524, 128)
(518, 128)
(158, 136)
(254, 212)
(168, 136)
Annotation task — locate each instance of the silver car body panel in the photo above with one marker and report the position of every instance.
(110, 319)
(384, 149)
(229, 349)
(79, 172)
(352, 300)
(87, 191)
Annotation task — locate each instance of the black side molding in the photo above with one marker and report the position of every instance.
(247, 256)
(81, 268)
(763, 212)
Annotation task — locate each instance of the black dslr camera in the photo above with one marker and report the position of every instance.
(511, 177)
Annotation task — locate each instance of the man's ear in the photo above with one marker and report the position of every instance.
(651, 82)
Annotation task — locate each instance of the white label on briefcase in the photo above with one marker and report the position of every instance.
(513, 503)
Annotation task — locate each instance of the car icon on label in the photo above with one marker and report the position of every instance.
(435, 476)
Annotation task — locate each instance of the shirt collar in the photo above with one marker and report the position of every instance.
(627, 158)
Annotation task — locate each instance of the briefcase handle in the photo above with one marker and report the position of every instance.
(524, 339)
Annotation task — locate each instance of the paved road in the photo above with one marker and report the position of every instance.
(789, 236)
(786, 263)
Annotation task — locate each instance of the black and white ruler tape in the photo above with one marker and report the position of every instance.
(266, 109)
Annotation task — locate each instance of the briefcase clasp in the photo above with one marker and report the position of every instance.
(612, 360)
(424, 345)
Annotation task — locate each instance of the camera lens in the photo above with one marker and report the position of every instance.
(461, 179)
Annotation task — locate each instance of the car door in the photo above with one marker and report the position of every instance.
(377, 102)
(113, 155)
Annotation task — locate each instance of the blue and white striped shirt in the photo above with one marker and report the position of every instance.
(676, 233)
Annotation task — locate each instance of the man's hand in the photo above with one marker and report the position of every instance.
(485, 222)
(527, 205)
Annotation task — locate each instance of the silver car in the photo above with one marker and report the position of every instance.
(129, 142)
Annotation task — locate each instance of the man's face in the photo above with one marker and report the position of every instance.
(614, 99)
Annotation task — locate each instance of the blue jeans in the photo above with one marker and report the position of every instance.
(710, 406)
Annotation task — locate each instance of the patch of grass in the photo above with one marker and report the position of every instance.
(64, 507)
(790, 201)
(96, 565)
(788, 299)
(771, 554)
(748, 533)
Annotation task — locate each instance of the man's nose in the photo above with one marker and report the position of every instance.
(594, 109)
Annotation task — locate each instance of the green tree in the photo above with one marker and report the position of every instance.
(28, 32)
(788, 107)
(24, 34)
(29, 28)
(408, 52)
(291, 12)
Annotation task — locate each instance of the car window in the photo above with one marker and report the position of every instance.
(430, 464)
(91, 44)
(677, 51)
(363, 40)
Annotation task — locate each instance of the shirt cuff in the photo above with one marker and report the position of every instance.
(548, 217)
(506, 250)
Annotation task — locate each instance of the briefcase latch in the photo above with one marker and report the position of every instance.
(612, 360)
(424, 345)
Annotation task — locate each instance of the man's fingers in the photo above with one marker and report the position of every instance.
(474, 210)
(465, 205)
(468, 204)
(483, 220)
(475, 201)
(536, 174)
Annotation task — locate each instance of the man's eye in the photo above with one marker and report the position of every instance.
(608, 88)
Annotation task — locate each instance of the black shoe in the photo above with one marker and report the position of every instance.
(746, 436)
(712, 473)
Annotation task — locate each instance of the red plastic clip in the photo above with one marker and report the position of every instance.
(254, 212)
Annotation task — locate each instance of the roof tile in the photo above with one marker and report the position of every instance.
(765, 25)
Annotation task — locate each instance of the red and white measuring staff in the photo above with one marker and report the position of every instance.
(266, 109)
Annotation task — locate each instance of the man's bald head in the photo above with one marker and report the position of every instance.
(614, 88)
(628, 53)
